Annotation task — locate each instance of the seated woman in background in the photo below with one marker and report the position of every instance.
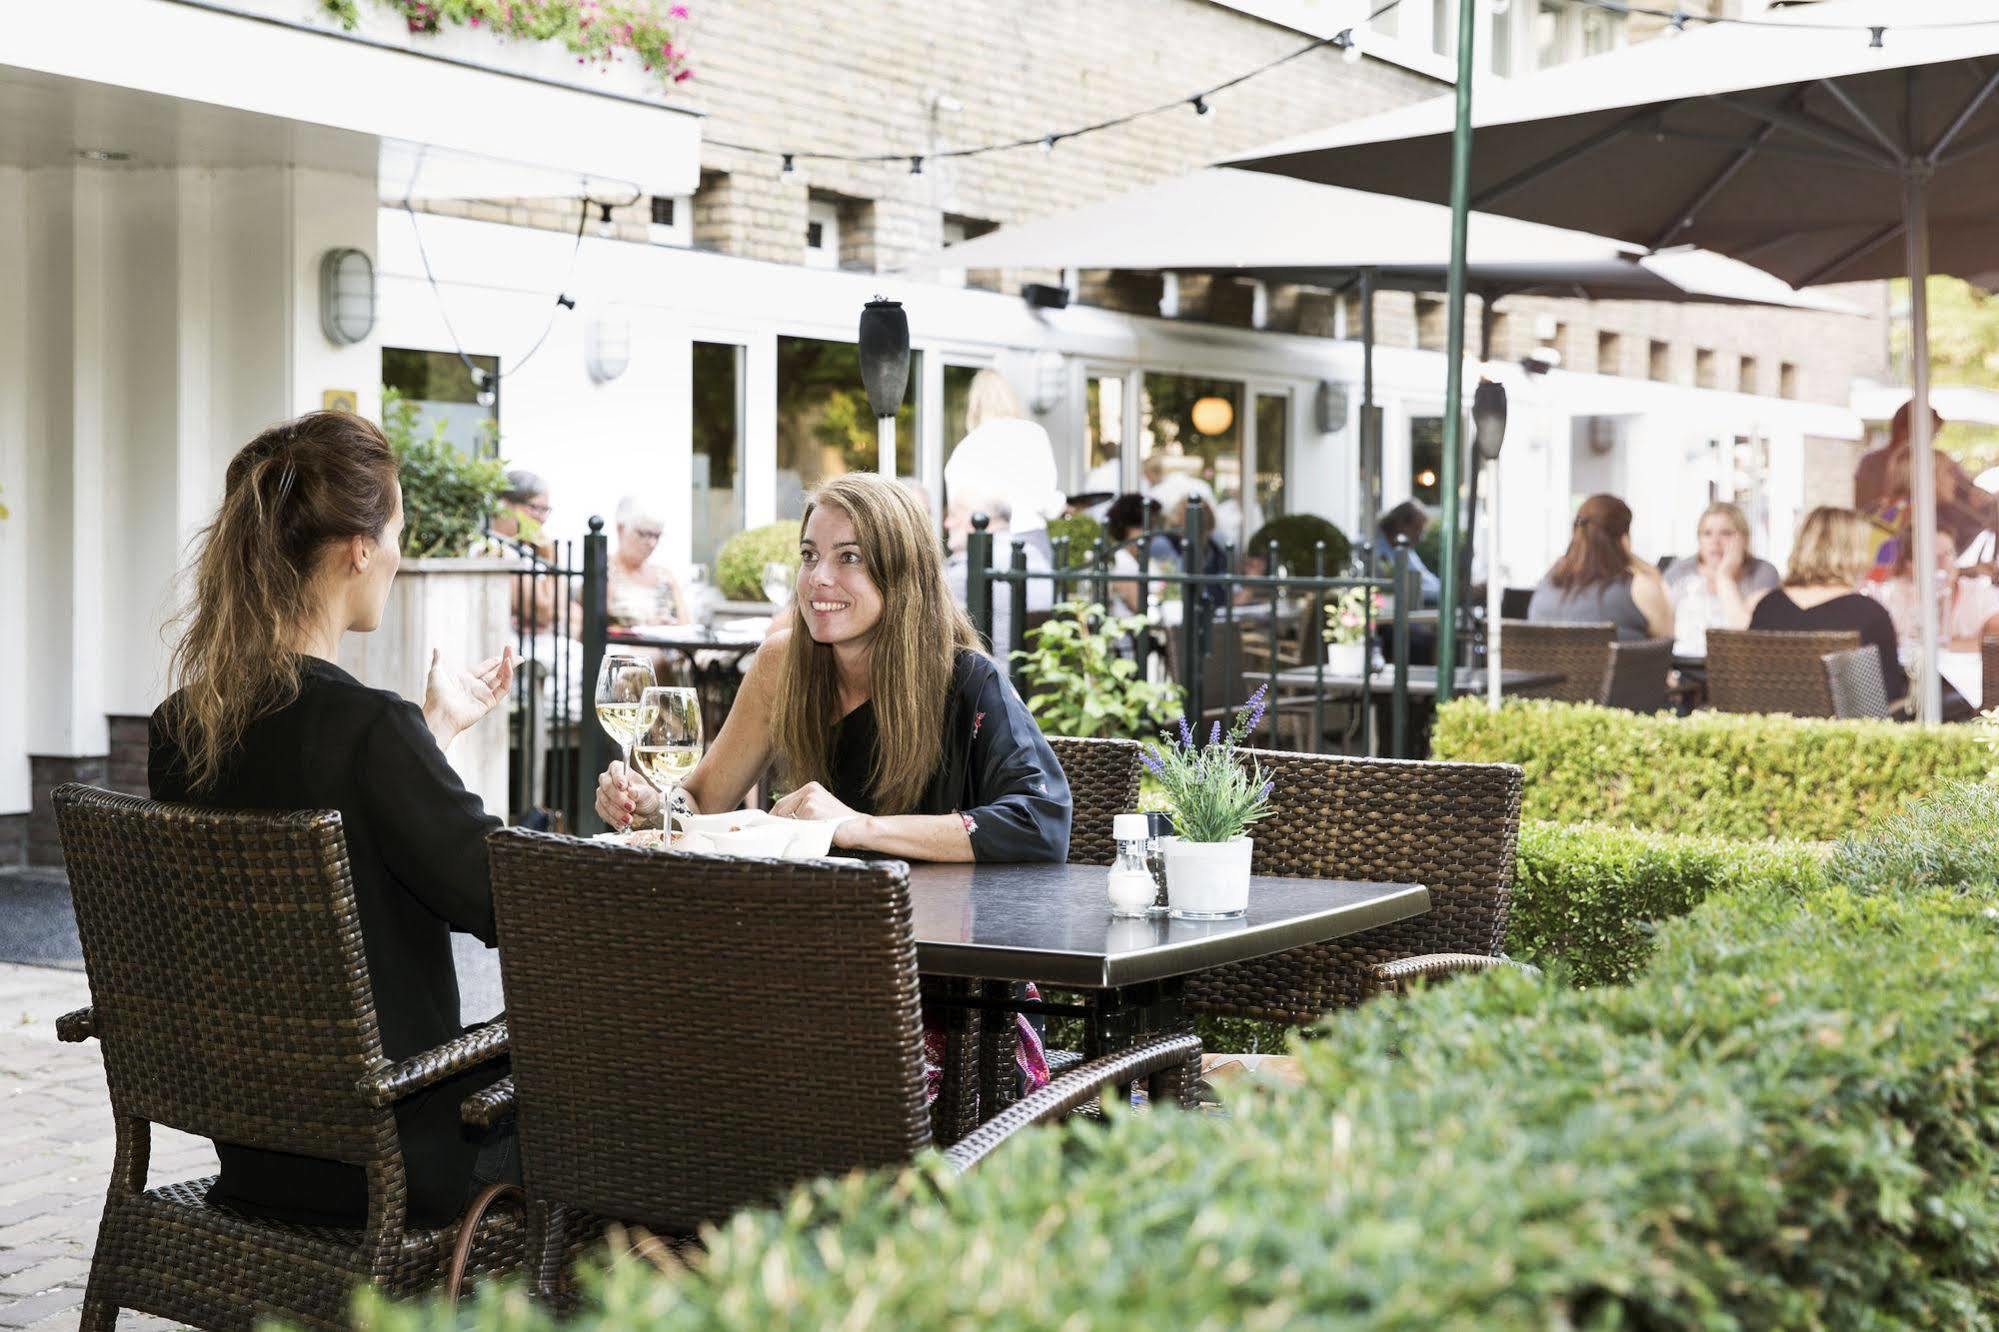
(639, 591)
(1713, 590)
(1829, 560)
(1599, 581)
(1125, 522)
(301, 553)
(1969, 609)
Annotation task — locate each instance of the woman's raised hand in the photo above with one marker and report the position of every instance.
(625, 800)
(454, 700)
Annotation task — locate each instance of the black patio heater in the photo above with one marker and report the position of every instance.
(1488, 433)
(884, 343)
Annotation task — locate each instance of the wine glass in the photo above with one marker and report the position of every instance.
(670, 744)
(622, 682)
(778, 580)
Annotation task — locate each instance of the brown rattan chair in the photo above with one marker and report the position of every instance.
(1103, 781)
(1635, 678)
(1988, 655)
(1853, 678)
(1452, 827)
(1580, 653)
(230, 995)
(1762, 670)
(697, 1034)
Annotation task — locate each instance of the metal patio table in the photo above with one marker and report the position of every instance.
(716, 678)
(983, 929)
(1422, 680)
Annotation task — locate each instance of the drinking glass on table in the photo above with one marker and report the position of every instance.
(778, 580)
(670, 745)
(622, 682)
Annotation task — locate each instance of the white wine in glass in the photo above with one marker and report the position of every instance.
(669, 747)
(778, 580)
(622, 710)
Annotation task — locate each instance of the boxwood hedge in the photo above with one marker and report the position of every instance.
(1710, 774)
(1789, 1119)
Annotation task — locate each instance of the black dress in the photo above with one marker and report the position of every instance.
(416, 847)
(996, 769)
(1863, 614)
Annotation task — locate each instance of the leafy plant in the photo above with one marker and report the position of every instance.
(1082, 533)
(1076, 682)
(1712, 773)
(739, 565)
(447, 494)
(1213, 795)
(593, 30)
(1347, 616)
(1945, 841)
(1297, 536)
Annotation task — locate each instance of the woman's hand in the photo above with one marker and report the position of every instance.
(813, 801)
(455, 700)
(624, 800)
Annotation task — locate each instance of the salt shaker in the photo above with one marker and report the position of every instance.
(1130, 885)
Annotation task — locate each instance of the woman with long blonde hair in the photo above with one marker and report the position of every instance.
(1830, 559)
(878, 706)
(302, 552)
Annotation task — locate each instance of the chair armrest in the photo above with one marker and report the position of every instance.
(1073, 1089)
(78, 1026)
(489, 1105)
(458, 1055)
(1396, 977)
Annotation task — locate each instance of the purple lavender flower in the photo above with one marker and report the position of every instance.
(1256, 709)
(1152, 763)
(1186, 736)
(1215, 732)
(1264, 794)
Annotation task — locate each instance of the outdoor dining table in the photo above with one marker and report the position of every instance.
(1422, 680)
(713, 657)
(983, 929)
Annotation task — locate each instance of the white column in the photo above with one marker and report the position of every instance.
(760, 430)
(15, 658)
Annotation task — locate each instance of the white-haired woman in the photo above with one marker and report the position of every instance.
(1006, 455)
(638, 590)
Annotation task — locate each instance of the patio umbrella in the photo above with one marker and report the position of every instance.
(1848, 140)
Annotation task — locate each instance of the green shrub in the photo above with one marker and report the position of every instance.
(1297, 536)
(1075, 683)
(1710, 774)
(1945, 841)
(1791, 1120)
(1082, 532)
(447, 494)
(739, 565)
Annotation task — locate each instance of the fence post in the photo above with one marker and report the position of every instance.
(1399, 707)
(589, 735)
(978, 578)
(1016, 633)
(1192, 560)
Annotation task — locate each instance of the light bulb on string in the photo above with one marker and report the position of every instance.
(916, 166)
(1874, 38)
(1497, 7)
(605, 231)
(789, 169)
(1048, 144)
(1200, 105)
(1676, 25)
(1349, 43)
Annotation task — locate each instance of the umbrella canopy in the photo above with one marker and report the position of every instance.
(1252, 224)
(1796, 143)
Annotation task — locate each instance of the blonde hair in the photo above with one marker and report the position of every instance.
(1835, 547)
(1733, 512)
(288, 494)
(990, 398)
(912, 655)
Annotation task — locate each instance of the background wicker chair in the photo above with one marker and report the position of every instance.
(231, 998)
(1580, 652)
(1452, 827)
(1988, 654)
(1762, 670)
(1853, 678)
(696, 1034)
(1103, 781)
(1635, 677)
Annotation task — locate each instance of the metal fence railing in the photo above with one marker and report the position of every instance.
(1234, 630)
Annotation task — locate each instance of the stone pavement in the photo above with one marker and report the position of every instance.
(55, 1154)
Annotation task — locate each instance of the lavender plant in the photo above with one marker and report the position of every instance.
(1213, 793)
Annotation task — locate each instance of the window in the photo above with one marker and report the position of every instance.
(1501, 43)
(957, 398)
(1705, 373)
(1444, 27)
(672, 221)
(1426, 459)
(957, 230)
(1659, 364)
(1609, 354)
(1602, 30)
(1749, 379)
(1103, 431)
(822, 234)
(1273, 440)
(441, 386)
(824, 427)
(1559, 340)
(1787, 380)
(1432, 323)
(1550, 33)
(1190, 439)
(718, 447)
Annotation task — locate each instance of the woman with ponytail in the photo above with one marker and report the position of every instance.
(302, 552)
(1599, 581)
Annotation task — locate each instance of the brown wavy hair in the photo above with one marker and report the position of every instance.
(1596, 553)
(912, 653)
(288, 494)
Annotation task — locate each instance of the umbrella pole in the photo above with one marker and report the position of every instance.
(1922, 454)
(1370, 441)
(1454, 368)
(1492, 587)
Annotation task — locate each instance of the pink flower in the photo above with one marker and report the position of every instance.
(683, 76)
(677, 12)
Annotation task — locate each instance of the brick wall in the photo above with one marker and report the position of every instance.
(46, 773)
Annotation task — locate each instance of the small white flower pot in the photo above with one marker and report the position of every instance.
(1207, 880)
(1346, 659)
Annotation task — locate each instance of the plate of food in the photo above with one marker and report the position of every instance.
(753, 832)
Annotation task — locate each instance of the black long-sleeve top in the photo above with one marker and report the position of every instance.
(416, 851)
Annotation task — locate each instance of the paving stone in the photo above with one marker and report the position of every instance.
(37, 1308)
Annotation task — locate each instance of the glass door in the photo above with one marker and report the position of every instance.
(717, 506)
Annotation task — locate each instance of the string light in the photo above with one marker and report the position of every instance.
(1200, 105)
(916, 166)
(1874, 37)
(1349, 44)
(790, 168)
(1874, 31)
(1048, 144)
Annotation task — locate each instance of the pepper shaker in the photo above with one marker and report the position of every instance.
(1159, 825)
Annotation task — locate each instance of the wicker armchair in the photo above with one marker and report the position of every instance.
(1853, 678)
(1988, 662)
(1452, 827)
(231, 997)
(1635, 678)
(1579, 652)
(696, 1034)
(1762, 670)
(1103, 781)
